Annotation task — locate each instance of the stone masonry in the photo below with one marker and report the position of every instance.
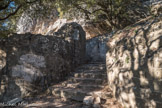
(134, 64)
(96, 48)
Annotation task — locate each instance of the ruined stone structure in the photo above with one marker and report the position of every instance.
(30, 63)
(134, 64)
(33, 63)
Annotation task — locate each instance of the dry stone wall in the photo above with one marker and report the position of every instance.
(2, 59)
(134, 64)
(33, 62)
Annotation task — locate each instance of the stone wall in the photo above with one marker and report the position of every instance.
(134, 64)
(2, 59)
(96, 48)
(33, 62)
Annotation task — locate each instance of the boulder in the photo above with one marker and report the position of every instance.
(74, 34)
(34, 62)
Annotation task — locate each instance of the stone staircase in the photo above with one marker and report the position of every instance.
(83, 82)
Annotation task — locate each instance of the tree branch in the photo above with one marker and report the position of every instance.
(84, 10)
(11, 14)
(5, 6)
(99, 10)
(87, 13)
(28, 2)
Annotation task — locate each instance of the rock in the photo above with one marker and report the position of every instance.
(39, 22)
(14, 101)
(34, 62)
(134, 64)
(156, 9)
(2, 59)
(88, 100)
(52, 23)
(101, 94)
(97, 100)
(74, 33)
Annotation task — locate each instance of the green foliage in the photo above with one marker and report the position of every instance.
(114, 11)
(11, 11)
(116, 59)
(127, 59)
(136, 31)
(61, 13)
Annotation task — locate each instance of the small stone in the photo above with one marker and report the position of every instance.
(98, 93)
(88, 100)
(97, 100)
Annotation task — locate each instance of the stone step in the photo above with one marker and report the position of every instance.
(101, 94)
(89, 71)
(87, 80)
(69, 93)
(90, 87)
(92, 67)
(96, 63)
(80, 86)
(93, 64)
(67, 84)
(78, 94)
(90, 75)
